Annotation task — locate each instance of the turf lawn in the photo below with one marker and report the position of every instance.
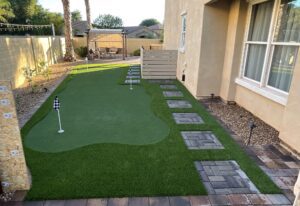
(119, 142)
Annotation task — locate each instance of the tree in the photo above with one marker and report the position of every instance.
(69, 55)
(44, 16)
(24, 10)
(88, 13)
(149, 22)
(108, 21)
(6, 11)
(88, 18)
(76, 16)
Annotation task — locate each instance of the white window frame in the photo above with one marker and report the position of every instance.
(262, 86)
(182, 42)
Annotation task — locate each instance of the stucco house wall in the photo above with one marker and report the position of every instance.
(212, 60)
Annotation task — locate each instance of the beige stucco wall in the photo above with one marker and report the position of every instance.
(203, 57)
(233, 49)
(19, 52)
(188, 61)
(212, 58)
(172, 24)
(264, 108)
(213, 44)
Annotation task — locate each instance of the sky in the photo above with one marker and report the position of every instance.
(131, 11)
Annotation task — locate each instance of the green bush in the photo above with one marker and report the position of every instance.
(81, 51)
(137, 52)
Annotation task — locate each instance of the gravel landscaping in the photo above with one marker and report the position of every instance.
(27, 102)
(238, 120)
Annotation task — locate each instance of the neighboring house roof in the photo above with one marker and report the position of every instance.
(130, 29)
(156, 27)
(106, 31)
(140, 32)
(79, 28)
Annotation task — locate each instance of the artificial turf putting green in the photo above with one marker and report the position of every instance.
(96, 109)
(116, 170)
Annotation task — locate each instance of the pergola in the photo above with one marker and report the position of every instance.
(108, 39)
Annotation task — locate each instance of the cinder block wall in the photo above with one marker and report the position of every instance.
(19, 52)
(132, 43)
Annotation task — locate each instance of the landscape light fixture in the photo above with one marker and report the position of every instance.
(252, 126)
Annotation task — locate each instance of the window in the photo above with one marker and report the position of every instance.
(183, 31)
(272, 43)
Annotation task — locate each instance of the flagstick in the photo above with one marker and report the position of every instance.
(60, 129)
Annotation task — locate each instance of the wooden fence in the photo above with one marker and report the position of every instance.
(159, 64)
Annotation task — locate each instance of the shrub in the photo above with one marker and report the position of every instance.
(29, 74)
(81, 51)
(137, 52)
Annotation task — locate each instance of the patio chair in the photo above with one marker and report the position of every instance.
(113, 51)
(103, 52)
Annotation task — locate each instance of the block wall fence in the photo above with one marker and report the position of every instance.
(19, 52)
(132, 44)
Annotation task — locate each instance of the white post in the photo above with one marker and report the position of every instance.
(53, 30)
(60, 128)
(87, 63)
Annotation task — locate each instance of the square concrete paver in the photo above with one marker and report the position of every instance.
(54, 203)
(238, 199)
(187, 118)
(136, 73)
(196, 140)
(161, 81)
(133, 77)
(33, 203)
(96, 202)
(179, 201)
(218, 200)
(168, 86)
(180, 104)
(258, 199)
(199, 200)
(117, 202)
(159, 201)
(224, 177)
(278, 199)
(133, 81)
(138, 201)
(78, 202)
(172, 94)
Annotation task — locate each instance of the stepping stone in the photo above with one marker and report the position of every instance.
(168, 86)
(134, 70)
(160, 81)
(197, 140)
(172, 94)
(224, 178)
(187, 118)
(181, 104)
(135, 67)
(134, 73)
(133, 77)
(133, 81)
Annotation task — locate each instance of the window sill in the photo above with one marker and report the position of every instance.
(265, 92)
